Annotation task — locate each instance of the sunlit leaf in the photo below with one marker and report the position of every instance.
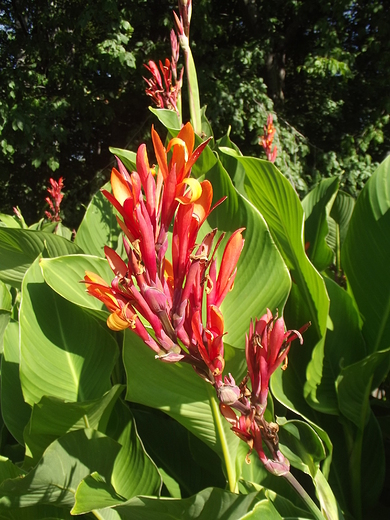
(20, 247)
(65, 352)
(99, 226)
(16, 413)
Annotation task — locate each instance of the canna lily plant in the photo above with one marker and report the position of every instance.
(180, 300)
(178, 402)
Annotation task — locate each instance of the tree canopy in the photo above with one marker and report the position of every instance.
(71, 86)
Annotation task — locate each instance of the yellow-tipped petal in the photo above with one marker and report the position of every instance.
(196, 191)
(120, 188)
(179, 142)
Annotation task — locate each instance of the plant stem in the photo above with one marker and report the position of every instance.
(230, 469)
(304, 495)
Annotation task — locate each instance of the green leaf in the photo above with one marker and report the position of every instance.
(262, 278)
(365, 258)
(356, 382)
(71, 458)
(20, 247)
(328, 502)
(5, 311)
(16, 413)
(234, 168)
(65, 273)
(64, 464)
(5, 298)
(343, 330)
(338, 221)
(211, 503)
(39, 511)
(134, 473)
(317, 205)
(202, 467)
(10, 221)
(301, 445)
(193, 90)
(99, 226)
(287, 386)
(277, 201)
(63, 231)
(95, 493)
(65, 352)
(51, 418)
(127, 157)
(178, 391)
(8, 469)
(373, 463)
(168, 118)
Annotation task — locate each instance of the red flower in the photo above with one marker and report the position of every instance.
(55, 199)
(267, 139)
(266, 349)
(169, 295)
(254, 430)
(163, 88)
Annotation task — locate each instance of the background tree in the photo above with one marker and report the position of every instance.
(71, 86)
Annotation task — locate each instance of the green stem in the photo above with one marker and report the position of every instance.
(230, 469)
(304, 495)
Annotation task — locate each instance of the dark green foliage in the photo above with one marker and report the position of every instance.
(71, 86)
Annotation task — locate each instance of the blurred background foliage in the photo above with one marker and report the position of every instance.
(71, 86)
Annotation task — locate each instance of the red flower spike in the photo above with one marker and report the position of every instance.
(170, 297)
(163, 95)
(55, 199)
(267, 139)
(266, 348)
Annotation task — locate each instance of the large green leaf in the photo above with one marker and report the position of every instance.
(374, 465)
(286, 386)
(234, 168)
(317, 205)
(51, 418)
(338, 222)
(301, 445)
(71, 458)
(344, 344)
(5, 311)
(211, 503)
(277, 201)
(39, 511)
(178, 391)
(64, 275)
(185, 459)
(15, 411)
(284, 506)
(8, 469)
(262, 278)
(20, 247)
(133, 473)
(365, 257)
(356, 382)
(99, 226)
(65, 352)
